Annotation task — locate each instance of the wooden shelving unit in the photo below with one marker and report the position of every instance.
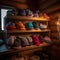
(24, 51)
(27, 31)
(27, 48)
(24, 18)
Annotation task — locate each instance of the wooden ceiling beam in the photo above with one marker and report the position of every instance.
(13, 4)
(42, 1)
(53, 8)
(48, 3)
(21, 1)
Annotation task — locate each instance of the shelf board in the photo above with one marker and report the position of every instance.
(22, 18)
(27, 48)
(27, 31)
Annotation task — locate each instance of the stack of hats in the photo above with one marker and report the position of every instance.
(29, 25)
(10, 41)
(10, 26)
(25, 12)
(43, 26)
(46, 39)
(25, 26)
(22, 41)
(41, 39)
(19, 41)
(20, 26)
(46, 16)
(29, 12)
(21, 12)
(30, 40)
(12, 12)
(35, 25)
(36, 13)
(36, 40)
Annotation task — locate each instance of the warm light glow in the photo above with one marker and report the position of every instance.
(57, 23)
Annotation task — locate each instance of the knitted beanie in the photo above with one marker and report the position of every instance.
(10, 26)
(20, 26)
(29, 26)
(47, 39)
(17, 42)
(36, 40)
(30, 40)
(41, 39)
(35, 25)
(11, 40)
(43, 26)
(24, 41)
(21, 12)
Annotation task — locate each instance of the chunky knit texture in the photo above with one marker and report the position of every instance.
(20, 26)
(36, 40)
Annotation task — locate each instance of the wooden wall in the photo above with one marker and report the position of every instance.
(52, 8)
(20, 4)
(14, 3)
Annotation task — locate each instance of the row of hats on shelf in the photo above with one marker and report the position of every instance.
(22, 41)
(25, 26)
(27, 12)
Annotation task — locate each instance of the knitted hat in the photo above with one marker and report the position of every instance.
(30, 40)
(17, 42)
(47, 39)
(41, 39)
(20, 26)
(21, 12)
(10, 26)
(36, 40)
(24, 41)
(29, 12)
(35, 25)
(43, 26)
(46, 16)
(10, 41)
(29, 26)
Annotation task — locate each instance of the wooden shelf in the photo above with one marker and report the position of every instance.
(27, 31)
(27, 48)
(22, 18)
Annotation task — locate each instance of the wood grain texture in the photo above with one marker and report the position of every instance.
(15, 4)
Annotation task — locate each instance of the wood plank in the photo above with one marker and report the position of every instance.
(24, 18)
(42, 1)
(27, 48)
(20, 1)
(27, 31)
(17, 1)
(17, 5)
(48, 3)
(52, 8)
